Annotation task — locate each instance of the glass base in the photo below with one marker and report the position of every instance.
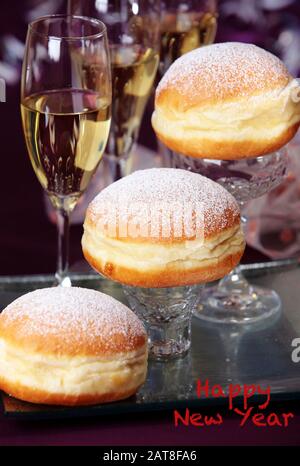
(235, 301)
(169, 380)
(166, 313)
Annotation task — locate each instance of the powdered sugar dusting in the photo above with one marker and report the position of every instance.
(75, 315)
(226, 68)
(169, 186)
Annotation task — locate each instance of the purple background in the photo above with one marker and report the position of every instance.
(148, 429)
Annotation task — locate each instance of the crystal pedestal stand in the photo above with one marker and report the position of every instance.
(234, 299)
(167, 314)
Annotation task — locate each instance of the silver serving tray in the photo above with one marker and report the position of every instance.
(224, 354)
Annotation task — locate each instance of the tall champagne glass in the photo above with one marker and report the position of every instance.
(65, 107)
(134, 38)
(185, 26)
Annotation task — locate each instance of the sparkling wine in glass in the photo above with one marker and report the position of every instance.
(66, 111)
(185, 26)
(134, 37)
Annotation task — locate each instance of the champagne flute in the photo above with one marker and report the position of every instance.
(65, 107)
(134, 37)
(185, 26)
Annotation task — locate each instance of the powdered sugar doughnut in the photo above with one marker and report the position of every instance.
(163, 227)
(226, 101)
(71, 346)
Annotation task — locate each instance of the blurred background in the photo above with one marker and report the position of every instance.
(28, 233)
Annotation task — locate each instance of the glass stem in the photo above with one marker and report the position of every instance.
(63, 228)
(235, 282)
(119, 166)
(119, 170)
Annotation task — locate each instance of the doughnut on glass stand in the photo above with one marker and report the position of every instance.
(233, 299)
(167, 315)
